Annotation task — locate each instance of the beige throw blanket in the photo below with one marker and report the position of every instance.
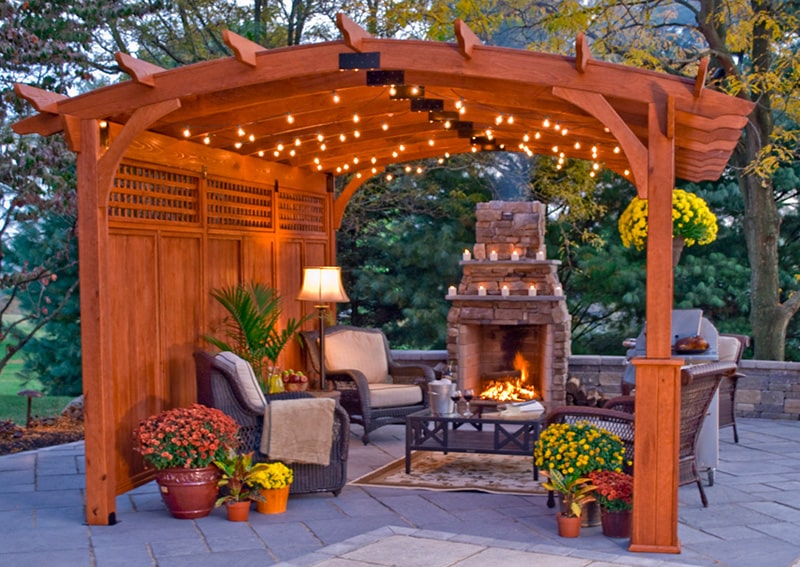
(299, 431)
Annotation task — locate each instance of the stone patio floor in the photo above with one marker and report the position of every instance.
(753, 519)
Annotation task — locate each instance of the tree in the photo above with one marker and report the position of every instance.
(753, 48)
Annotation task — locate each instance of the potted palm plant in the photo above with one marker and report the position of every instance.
(251, 329)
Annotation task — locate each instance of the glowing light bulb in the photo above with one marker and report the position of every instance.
(260, 153)
(546, 123)
(323, 147)
(402, 148)
(206, 140)
(252, 137)
(389, 177)
(280, 147)
(526, 137)
(237, 145)
(616, 149)
(320, 137)
(537, 135)
(240, 131)
(290, 118)
(374, 160)
(297, 142)
(577, 145)
(385, 126)
(186, 132)
(336, 98)
(356, 118)
(356, 134)
(355, 160)
(342, 137)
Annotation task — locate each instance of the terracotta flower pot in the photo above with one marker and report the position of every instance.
(238, 511)
(569, 526)
(188, 493)
(275, 500)
(616, 523)
(590, 514)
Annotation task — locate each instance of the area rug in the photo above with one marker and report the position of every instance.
(499, 474)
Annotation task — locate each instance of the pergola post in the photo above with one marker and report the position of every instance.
(655, 488)
(96, 332)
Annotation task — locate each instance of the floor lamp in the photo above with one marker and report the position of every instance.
(322, 285)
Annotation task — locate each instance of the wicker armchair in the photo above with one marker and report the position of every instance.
(730, 349)
(374, 389)
(218, 386)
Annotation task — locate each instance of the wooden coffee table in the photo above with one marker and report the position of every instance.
(458, 434)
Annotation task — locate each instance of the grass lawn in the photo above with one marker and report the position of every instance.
(15, 407)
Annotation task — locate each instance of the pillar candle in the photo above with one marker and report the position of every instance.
(466, 256)
(481, 290)
(493, 256)
(451, 290)
(505, 291)
(515, 255)
(540, 255)
(557, 290)
(532, 290)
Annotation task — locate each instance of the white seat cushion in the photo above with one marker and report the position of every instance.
(245, 377)
(394, 395)
(728, 348)
(357, 350)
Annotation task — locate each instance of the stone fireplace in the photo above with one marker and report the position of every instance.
(510, 302)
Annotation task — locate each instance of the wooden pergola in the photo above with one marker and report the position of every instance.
(223, 171)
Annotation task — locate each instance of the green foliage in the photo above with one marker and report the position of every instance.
(251, 329)
(399, 246)
(237, 478)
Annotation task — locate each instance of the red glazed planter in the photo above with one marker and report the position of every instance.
(188, 493)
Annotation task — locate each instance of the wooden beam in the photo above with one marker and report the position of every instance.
(354, 35)
(582, 53)
(244, 49)
(670, 126)
(596, 105)
(700, 80)
(467, 40)
(72, 132)
(340, 204)
(44, 124)
(140, 71)
(109, 162)
(40, 99)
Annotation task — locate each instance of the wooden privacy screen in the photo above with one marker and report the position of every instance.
(173, 237)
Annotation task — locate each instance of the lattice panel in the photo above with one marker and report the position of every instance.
(301, 212)
(146, 193)
(238, 204)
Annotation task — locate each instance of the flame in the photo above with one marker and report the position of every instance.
(511, 390)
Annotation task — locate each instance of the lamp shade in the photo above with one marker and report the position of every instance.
(323, 285)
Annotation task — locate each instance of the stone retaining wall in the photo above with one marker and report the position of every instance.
(769, 389)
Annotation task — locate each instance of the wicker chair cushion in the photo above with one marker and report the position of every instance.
(246, 378)
(728, 348)
(394, 395)
(359, 351)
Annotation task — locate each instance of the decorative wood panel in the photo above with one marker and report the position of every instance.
(181, 318)
(240, 205)
(223, 268)
(144, 193)
(301, 212)
(133, 285)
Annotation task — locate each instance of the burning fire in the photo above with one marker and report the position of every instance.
(511, 390)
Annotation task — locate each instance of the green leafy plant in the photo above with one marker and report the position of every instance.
(251, 329)
(575, 492)
(192, 437)
(237, 480)
(272, 475)
(613, 490)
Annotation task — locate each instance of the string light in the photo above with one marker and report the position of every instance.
(627, 172)
(186, 132)
(546, 123)
(374, 160)
(336, 98)
(616, 149)
(538, 135)
(392, 90)
(276, 153)
(356, 134)
(237, 145)
(280, 147)
(431, 142)
(389, 177)
(402, 148)
(564, 131)
(292, 152)
(394, 154)
(252, 137)
(385, 126)
(408, 169)
(260, 153)
(297, 142)
(320, 137)
(577, 145)
(289, 118)
(555, 149)
(526, 137)
(323, 147)
(206, 140)
(356, 118)
(240, 131)
(342, 137)
(355, 160)
(419, 170)
(510, 120)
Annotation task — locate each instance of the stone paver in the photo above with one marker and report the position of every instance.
(753, 519)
